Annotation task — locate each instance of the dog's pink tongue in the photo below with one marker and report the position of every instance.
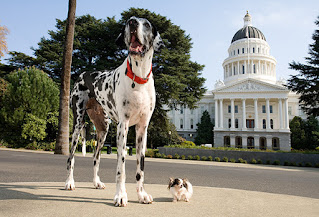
(134, 42)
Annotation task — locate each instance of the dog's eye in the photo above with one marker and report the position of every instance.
(147, 25)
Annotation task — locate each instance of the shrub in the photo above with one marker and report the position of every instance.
(268, 162)
(299, 164)
(293, 164)
(217, 159)
(183, 157)
(233, 160)
(225, 159)
(188, 144)
(169, 156)
(32, 146)
(158, 155)
(276, 162)
(240, 160)
(245, 162)
(317, 165)
(286, 163)
(197, 157)
(308, 164)
(259, 161)
(189, 157)
(204, 158)
(210, 158)
(163, 156)
(176, 156)
(253, 161)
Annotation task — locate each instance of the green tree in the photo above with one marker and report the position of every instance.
(298, 135)
(29, 97)
(205, 134)
(306, 82)
(312, 130)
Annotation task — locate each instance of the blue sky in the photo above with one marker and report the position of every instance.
(287, 25)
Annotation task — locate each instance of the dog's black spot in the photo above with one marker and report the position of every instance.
(94, 162)
(106, 86)
(136, 63)
(142, 162)
(120, 125)
(109, 105)
(137, 162)
(123, 159)
(110, 98)
(127, 116)
(118, 173)
(81, 104)
(138, 177)
(139, 140)
(103, 102)
(82, 87)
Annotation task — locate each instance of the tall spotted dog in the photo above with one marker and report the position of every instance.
(125, 95)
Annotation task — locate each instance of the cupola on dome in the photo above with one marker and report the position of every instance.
(248, 31)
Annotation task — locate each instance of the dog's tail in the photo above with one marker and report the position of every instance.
(83, 134)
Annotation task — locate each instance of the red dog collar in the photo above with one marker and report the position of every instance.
(135, 78)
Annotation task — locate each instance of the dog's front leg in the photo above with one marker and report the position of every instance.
(141, 139)
(120, 198)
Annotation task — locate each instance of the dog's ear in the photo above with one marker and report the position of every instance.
(120, 38)
(185, 181)
(171, 180)
(158, 42)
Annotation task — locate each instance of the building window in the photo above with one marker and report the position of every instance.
(271, 123)
(234, 52)
(236, 123)
(192, 111)
(182, 110)
(243, 50)
(236, 108)
(229, 109)
(181, 124)
(226, 141)
(263, 109)
(263, 143)
(258, 50)
(234, 70)
(192, 124)
(229, 123)
(275, 144)
(238, 51)
(243, 69)
(270, 108)
(238, 142)
(250, 143)
(289, 110)
(264, 123)
(254, 66)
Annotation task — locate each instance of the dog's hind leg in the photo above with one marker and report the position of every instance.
(141, 139)
(101, 122)
(78, 115)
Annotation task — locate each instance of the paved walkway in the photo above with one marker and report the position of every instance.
(50, 199)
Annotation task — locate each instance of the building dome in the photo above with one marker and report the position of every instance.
(250, 31)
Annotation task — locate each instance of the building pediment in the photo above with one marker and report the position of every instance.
(250, 85)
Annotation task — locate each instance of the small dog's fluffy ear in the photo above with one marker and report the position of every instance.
(171, 180)
(185, 181)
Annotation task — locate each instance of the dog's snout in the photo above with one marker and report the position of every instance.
(133, 24)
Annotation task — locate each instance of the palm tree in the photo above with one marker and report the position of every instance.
(62, 144)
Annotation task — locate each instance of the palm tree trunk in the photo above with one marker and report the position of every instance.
(62, 143)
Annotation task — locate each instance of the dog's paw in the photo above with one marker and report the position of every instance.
(69, 185)
(145, 198)
(98, 184)
(120, 199)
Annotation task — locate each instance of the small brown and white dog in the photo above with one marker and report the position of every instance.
(181, 189)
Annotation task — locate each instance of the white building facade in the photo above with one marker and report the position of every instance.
(250, 108)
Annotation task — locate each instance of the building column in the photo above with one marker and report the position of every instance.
(221, 125)
(232, 126)
(232, 69)
(280, 114)
(244, 114)
(238, 69)
(286, 113)
(268, 115)
(256, 140)
(252, 67)
(259, 69)
(244, 141)
(216, 113)
(245, 67)
(256, 113)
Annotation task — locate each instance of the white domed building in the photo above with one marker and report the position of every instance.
(250, 107)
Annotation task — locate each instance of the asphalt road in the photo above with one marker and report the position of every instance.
(16, 166)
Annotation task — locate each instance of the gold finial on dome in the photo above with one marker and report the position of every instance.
(247, 19)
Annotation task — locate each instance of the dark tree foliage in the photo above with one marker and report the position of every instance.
(306, 82)
(205, 134)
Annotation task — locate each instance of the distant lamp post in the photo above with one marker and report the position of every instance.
(170, 137)
(191, 136)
